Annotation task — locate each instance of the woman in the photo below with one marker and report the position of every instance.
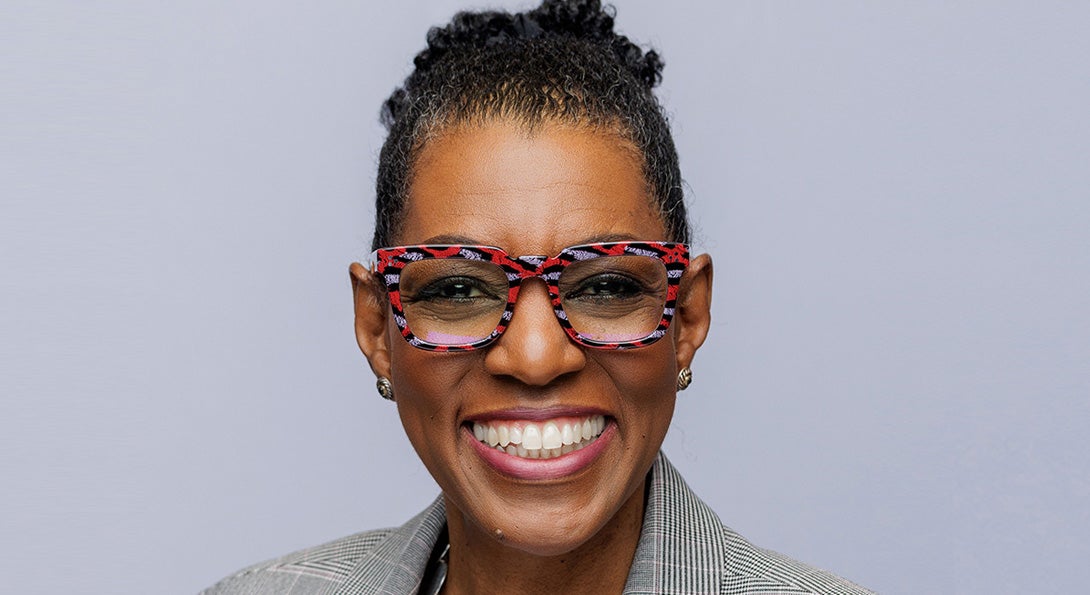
(532, 309)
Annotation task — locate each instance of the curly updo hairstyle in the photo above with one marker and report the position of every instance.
(561, 62)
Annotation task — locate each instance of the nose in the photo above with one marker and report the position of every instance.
(534, 349)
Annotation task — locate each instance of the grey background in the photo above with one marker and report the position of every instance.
(895, 194)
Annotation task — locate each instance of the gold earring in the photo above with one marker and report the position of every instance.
(385, 388)
(684, 378)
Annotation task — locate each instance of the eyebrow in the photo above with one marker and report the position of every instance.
(453, 239)
(444, 239)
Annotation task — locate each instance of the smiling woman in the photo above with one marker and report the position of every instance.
(543, 191)
(533, 309)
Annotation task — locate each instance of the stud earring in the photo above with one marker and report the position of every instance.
(684, 378)
(385, 388)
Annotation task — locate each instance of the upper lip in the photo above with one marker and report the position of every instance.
(536, 414)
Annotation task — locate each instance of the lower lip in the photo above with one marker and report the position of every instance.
(542, 469)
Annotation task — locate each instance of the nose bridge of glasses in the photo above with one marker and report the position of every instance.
(524, 298)
(530, 266)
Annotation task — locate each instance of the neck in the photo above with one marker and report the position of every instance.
(481, 562)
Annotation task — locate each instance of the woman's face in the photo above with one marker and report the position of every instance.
(533, 195)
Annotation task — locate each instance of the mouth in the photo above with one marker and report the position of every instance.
(546, 439)
(537, 446)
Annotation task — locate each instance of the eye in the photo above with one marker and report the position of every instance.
(606, 286)
(454, 289)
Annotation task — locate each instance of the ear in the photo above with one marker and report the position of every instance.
(369, 298)
(693, 314)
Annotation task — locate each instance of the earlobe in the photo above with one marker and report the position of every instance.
(693, 315)
(369, 300)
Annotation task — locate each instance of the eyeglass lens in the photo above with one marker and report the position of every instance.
(454, 301)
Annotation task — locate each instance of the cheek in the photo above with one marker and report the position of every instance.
(648, 370)
(426, 389)
(646, 381)
(423, 380)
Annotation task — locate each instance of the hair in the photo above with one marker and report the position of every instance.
(558, 63)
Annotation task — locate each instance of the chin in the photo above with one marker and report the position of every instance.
(548, 524)
(545, 548)
(545, 537)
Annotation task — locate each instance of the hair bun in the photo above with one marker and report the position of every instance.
(586, 20)
(583, 19)
(561, 62)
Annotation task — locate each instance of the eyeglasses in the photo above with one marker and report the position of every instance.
(612, 295)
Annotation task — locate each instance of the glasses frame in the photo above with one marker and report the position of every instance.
(387, 264)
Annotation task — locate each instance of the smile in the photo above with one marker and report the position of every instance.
(540, 440)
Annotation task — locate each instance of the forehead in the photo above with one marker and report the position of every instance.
(528, 192)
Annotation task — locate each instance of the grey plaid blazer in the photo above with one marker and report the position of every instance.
(683, 549)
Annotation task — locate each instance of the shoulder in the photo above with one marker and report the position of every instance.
(751, 569)
(384, 561)
(318, 569)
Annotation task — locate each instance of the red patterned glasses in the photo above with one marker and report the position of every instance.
(612, 295)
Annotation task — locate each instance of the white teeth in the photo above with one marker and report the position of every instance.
(530, 440)
(550, 436)
(531, 437)
(566, 435)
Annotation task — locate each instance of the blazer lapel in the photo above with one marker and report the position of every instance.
(396, 565)
(682, 546)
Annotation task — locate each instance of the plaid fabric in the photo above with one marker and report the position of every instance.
(684, 549)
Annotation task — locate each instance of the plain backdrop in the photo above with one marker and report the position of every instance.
(895, 194)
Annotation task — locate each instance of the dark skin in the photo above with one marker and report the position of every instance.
(499, 185)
